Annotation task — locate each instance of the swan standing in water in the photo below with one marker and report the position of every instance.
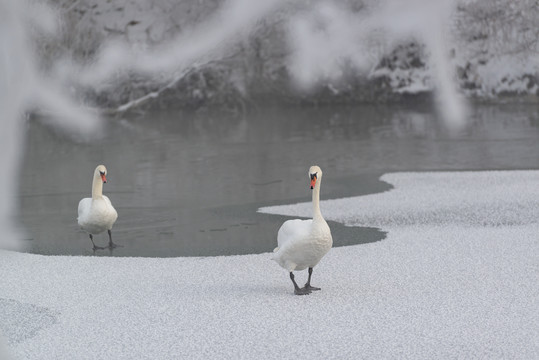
(301, 244)
(97, 214)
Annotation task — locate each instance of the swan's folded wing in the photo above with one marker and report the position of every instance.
(293, 230)
(114, 213)
(84, 206)
(107, 200)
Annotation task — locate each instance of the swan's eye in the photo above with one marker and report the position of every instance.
(313, 176)
(102, 172)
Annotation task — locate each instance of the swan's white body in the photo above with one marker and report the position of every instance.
(301, 244)
(96, 214)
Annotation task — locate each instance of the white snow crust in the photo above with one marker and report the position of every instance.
(488, 198)
(456, 277)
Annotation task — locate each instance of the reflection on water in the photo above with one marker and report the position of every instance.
(189, 184)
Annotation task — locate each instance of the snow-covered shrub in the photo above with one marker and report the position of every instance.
(497, 52)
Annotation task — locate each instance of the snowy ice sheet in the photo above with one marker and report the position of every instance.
(455, 278)
(491, 198)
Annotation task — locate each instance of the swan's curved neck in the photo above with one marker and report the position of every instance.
(316, 201)
(97, 187)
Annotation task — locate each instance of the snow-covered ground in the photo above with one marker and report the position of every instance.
(456, 277)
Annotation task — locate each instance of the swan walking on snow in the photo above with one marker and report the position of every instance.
(97, 214)
(301, 244)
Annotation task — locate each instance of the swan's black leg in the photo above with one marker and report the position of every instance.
(111, 244)
(95, 247)
(297, 289)
(308, 284)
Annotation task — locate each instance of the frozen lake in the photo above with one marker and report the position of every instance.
(189, 184)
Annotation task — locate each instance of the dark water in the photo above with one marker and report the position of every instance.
(188, 184)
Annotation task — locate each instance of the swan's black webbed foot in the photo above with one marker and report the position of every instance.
(302, 291)
(297, 289)
(95, 247)
(308, 283)
(111, 244)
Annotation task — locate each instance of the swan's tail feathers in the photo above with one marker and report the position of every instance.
(274, 255)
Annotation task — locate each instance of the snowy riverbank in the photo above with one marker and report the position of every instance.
(456, 277)
(228, 52)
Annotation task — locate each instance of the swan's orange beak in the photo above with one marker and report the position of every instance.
(313, 182)
(103, 178)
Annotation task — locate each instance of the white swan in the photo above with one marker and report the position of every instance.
(97, 214)
(301, 244)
